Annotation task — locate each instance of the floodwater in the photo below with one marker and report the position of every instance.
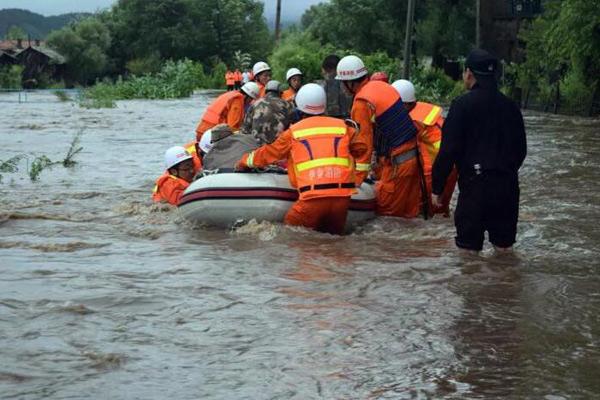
(105, 295)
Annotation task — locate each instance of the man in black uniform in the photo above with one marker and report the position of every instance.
(484, 136)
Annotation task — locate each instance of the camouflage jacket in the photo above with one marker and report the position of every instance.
(339, 101)
(267, 118)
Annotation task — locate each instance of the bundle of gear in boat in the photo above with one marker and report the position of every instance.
(320, 155)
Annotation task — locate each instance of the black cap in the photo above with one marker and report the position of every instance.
(480, 62)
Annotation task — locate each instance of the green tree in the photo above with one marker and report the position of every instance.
(84, 45)
(15, 33)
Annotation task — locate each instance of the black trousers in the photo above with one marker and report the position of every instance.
(487, 202)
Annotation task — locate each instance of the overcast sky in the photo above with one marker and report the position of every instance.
(291, 9)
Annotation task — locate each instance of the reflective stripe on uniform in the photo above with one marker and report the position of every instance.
(432, 116)
(191, 149)
(155, 189)
(436, 145)
(363, 167)
(320, 162)
(340, 131)
(250, 160)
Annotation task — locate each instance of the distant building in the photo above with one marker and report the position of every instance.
(39, 61)
(501, 22)
(7, 59)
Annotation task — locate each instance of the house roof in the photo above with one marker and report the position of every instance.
(54, 56)
(12, 44)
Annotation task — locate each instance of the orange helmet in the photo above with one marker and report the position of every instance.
(380, 76)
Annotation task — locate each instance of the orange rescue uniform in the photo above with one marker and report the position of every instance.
(429, 121)
(228, 109)
(169, 188)
(398, 189)
(289, 94)
(229, 78)
(193, 150)
(320, 152)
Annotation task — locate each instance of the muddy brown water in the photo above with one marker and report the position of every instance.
(105, 295)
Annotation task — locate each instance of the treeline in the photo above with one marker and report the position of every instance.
(561, 70)
(131, 43)
(137, 36)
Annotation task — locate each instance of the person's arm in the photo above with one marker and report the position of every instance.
(521, 145)
(267, 154)
(364, 115)
(172, 190)
(450, 147)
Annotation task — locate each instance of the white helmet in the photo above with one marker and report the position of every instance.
(206, 141)
(175, 155)
(251, 89)
(259, 67)
(311, 99)
(292, 72)
(350, 68)
(406, 90)
(273, 86)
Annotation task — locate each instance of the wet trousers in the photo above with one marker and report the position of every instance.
(323, 214)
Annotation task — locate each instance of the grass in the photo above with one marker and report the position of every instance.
(40, 163)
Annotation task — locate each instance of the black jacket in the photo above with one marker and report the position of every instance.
(483, 127)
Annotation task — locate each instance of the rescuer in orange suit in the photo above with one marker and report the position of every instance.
(262, 74)
(429, 121)
(229, 80)
(387, 127)
(177, 177)
(237, 77)
(294, 80)
(320, 152)
(229, 108)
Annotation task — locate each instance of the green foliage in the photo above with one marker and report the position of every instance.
(42, 162)
(362, 25)
(444, 29)
(144, 65)
(175, 80)
(563, 45)
(10, 76)
(38, 165)
(300, 51)
(432, 85)
(62, 95)
(84, 45)
(241, 60)
(16, 32)
(178, 29)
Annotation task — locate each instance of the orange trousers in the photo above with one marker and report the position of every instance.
(323, 214)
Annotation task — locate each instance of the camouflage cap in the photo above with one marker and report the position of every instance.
(220, 131)
(273, 86)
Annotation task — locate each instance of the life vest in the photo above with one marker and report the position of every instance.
(288, 94)
(428, 118)
(237, 76)
(191, 148)
(261, 89)
(393, 127)
(321, 158)
(216, 113)
(168, 183)
(230, 78)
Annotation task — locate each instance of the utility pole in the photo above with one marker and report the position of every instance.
(478, 24)
(278, 21)
(410, 16)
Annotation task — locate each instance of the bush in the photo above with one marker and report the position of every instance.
(576, 94)
(434, 86)
(175, 80)
(143, 66)
(10, 77)
(300, 51)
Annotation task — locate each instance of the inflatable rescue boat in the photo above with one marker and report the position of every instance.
(225, 199)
